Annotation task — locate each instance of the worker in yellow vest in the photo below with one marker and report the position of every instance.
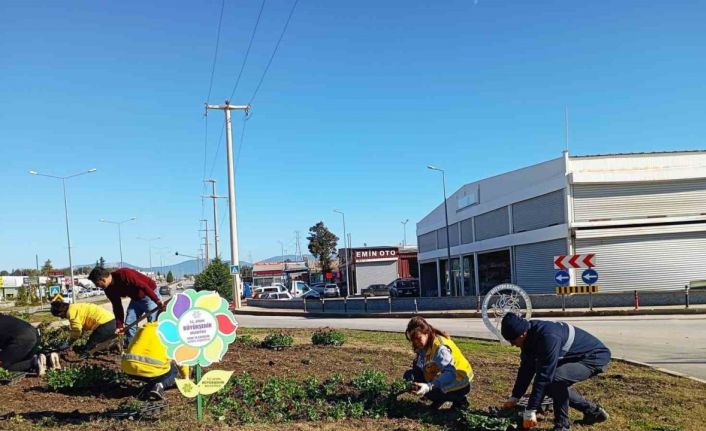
(146, 360)
(86, 317)
(440, 372)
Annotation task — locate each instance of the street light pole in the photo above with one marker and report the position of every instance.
(348, 269)
(446, 215)
(66, 215)
(120, 236)
(149, 247)
(404, 230)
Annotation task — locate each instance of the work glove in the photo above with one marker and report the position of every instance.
(162, 307)
(509, 403)
(422, 389)
(529, 419)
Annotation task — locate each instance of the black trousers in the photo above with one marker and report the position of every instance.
(18, 353)
(565, 396)
(102, 333)
(436, 395)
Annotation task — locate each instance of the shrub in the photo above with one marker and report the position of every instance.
(4, 374)
(479, 421)
(78, 378)
(328, 337)
(52, 339)
(246, 340)
(277, 341)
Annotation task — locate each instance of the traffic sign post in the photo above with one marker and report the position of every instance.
(234, 269)
(562, 278)
(575, 261)
(590, 276)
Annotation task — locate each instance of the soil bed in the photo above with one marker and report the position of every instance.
(637, 398)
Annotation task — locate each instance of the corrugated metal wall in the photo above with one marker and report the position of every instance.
(534, 265)
(441, 237)
(647, 262)
(492, 224)
(536, 213)
(427, 242)
(638, 200)
(375, 273)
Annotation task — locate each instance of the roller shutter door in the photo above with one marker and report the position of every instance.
(647, 262)
(536, 213)
(534, 265)
(638, 200)
(492, 224)
(375, 273)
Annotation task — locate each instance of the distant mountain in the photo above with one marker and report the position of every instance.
(292, 257)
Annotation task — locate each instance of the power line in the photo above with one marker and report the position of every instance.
(269, 63)
(247, 52)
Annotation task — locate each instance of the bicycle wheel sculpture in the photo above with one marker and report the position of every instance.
(503, 299)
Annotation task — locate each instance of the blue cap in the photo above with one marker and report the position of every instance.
(513, 326)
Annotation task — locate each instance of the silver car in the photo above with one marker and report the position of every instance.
(331, 291)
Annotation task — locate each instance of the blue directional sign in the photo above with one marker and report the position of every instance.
(590, 276)
(54, 290)
(562, 278)
(234, 269)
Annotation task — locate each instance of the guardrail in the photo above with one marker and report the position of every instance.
(632, 298)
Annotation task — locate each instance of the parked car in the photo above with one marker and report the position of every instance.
(265, 295)
(275, 288)
(331, 291)
(312, 294)
(165, 290)
(280, 296)
(376, 290)
(404, 287)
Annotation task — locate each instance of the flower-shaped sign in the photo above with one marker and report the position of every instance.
(197, 328)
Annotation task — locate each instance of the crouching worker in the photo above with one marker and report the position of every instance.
(439, 372)
(146, 360)
(18, 342)
(556, 355)
(86, 317)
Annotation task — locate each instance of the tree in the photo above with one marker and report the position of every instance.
(47, 267)
(216, 277)
(170, 277)
(322, 244)
(3, 272)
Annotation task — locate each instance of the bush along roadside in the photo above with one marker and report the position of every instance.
(74, 379)
(328, 337)
(277, 341)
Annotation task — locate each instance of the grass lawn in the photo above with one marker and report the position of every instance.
(637, 398)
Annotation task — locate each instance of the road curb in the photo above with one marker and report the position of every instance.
(471, 315)
(660, 369)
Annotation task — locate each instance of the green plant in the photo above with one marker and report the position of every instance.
(246, 340)
(277, 340)
(4, 374)
(472, 420)
(371, 383)
(85, 377)
(52, 339)
(328, 337)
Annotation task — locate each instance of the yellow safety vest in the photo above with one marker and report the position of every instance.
(146, 356)
(464, 371)
(86, 317)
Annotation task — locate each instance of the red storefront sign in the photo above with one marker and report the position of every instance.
(374, 254)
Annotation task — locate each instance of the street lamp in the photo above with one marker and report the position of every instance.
(446, 215)
(404, 229)
(193, 257)
(345, 239)
(66, 215)
(149, 246)
(120, 238)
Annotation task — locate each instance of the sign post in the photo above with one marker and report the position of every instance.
(197, 329)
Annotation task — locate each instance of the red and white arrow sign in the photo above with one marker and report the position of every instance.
(575, 261)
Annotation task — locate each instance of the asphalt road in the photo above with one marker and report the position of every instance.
(676, 343)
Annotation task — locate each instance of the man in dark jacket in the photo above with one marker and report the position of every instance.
(18, 342)
(126, 282)
(557, 355)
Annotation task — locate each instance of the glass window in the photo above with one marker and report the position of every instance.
(453, 289)
(469, 278)
(493, 269)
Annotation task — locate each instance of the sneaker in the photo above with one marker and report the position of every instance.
(157, 391)
(41, 364)
(595, 416)
(54, 362)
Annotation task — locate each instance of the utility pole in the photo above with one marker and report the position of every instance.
(404, 229)
(206, 238)
(348, 268)
(234, 260)
(299, 249)
(149, 247)
(214, 196)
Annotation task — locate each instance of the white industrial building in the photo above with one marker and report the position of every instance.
(643, 214)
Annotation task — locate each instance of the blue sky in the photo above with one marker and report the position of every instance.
(361, 96)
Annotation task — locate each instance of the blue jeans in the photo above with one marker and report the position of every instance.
(137, 308)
